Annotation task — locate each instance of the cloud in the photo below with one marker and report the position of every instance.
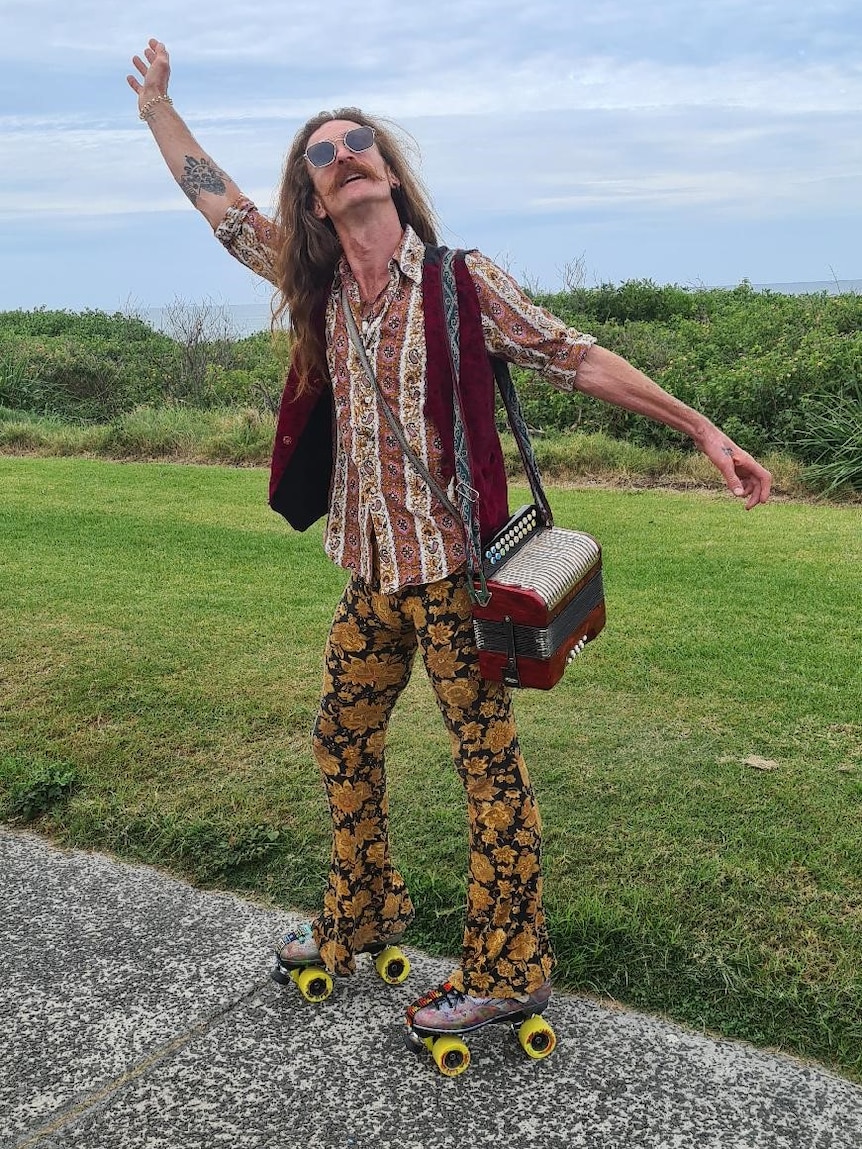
(732, 160)
(539, 83)
(309, 39)
(534, 116)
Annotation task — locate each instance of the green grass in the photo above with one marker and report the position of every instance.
(699, 769)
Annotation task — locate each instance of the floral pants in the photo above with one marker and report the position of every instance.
(368, 660)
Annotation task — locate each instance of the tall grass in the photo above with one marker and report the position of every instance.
(243, 437)
(239, 436)
(833, 441)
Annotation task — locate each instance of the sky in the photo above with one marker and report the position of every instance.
(678, 141)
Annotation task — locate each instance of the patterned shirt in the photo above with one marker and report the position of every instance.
(385, 523)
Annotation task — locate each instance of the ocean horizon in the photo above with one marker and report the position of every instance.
(238, 320)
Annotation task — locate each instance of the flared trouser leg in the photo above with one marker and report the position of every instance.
(369, 655)
(506, 951)
(368, 660)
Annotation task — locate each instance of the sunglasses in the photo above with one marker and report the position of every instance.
(322, 154)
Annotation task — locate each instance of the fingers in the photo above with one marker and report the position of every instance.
(154, 51)
(756, 481)
(727, 463)
(744, 476)
(154, 70)
(759, 488)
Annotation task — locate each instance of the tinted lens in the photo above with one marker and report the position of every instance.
(359, 139)
(321, 154)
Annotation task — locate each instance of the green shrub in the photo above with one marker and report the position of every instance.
(84, 367)
(751, 361)
(94, 367)
(757, 363)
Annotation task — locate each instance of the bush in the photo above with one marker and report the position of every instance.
(832, 440)
(83, 367)
(759, 364)
(94, 367)
(751, 361)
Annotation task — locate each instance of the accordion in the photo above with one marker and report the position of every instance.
(546, 601)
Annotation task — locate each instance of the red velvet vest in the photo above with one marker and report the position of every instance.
(301, 471)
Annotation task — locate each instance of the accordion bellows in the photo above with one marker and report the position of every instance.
(546, 601)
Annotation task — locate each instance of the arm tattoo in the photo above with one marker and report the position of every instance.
(202, 175)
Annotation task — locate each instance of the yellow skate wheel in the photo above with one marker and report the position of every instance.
(392, 965)
(537, 1038)
(451, 1056)
(314, 984)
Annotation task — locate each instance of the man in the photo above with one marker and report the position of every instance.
(351, 232)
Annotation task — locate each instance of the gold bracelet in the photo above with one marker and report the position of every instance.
(147, 110)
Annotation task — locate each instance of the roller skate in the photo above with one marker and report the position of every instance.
(439, 1019)
(297, 960)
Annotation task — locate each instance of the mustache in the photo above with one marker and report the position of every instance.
(357, 167)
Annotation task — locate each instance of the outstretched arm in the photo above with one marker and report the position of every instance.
(608, 376)
(209, 188)
(524, 333)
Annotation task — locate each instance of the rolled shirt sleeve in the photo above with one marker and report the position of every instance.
(251, 238)
(523, 333)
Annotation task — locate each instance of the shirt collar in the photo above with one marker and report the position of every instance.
(410, 256)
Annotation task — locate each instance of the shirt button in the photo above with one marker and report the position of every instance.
(287, 440)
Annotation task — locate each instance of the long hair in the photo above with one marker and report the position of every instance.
(310, 248)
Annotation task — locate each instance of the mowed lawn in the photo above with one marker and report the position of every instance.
(699, 769)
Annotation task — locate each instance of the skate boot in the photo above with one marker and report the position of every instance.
(297, 959)
(439, 1019)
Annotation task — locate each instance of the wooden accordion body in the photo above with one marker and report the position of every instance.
(546, 601)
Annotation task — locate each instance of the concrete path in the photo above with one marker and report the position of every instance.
(137, 1011)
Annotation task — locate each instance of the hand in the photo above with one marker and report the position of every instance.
(744, 475)
(156, 73)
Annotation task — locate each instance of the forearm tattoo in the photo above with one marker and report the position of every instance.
(202, 175)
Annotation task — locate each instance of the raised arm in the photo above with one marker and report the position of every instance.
(209, 188)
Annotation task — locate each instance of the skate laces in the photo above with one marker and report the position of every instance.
(300, 934)
(440, 997)
(447, 994)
